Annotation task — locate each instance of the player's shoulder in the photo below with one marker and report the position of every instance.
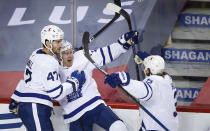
(151, 77)
(168, 78)
(80, 54)
(159, 79)
(44, 59)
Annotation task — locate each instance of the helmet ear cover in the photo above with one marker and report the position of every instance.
(155, 63)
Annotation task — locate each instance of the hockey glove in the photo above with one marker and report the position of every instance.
(140, 56)
(128, 39)
(13, 107)
(77, 79)
(119, 78)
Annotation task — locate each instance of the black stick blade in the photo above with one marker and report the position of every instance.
(85, 42)
(85, 38)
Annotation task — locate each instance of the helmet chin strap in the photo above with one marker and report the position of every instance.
(62, 62)
(50, 49)
(65, 67)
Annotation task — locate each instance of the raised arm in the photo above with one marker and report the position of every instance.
(139, 89)
(109, 53)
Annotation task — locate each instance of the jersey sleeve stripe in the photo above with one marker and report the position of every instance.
(73, 85)
(147, 92)
(57, 88)
(110, 53)
(151, 91)
(35, 95)
(102, 54)
(61, 91)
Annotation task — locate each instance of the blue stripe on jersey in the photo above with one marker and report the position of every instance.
(36, 95)
(150, 89)
(102, 54)
(54, 89)
(147, 91)
(143, 127)
(40, 51)
(175, 94)
(73, 85)
(110, 53)
(59, 87)
(146, 85)
(73, 113)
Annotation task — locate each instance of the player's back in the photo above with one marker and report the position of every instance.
(161, 103)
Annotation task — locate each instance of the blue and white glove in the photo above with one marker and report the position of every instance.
(119, 78)
(128, 39)
(77, 79)
(140, 56)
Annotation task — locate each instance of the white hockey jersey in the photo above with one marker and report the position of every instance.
(41, 81)
(78, 103)
(158, 96)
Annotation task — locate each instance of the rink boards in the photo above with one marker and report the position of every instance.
(191, 119)
(8, 122)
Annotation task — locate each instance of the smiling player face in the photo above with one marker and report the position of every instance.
(68, 57)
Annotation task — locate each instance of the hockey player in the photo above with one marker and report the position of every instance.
(156, 92)
(32, 99)
(85, 107)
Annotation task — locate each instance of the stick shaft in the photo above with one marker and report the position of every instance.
(116, 2)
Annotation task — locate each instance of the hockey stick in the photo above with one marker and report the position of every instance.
(85, 42)
(115, 8)
(117, 15)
